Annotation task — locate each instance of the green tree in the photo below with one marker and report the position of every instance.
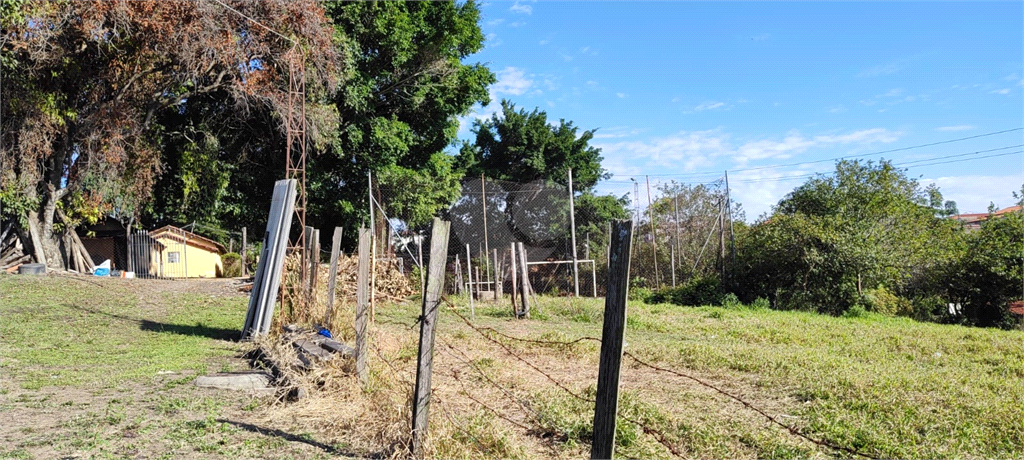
(532, 157)
(520, 146)
(988, 275)
(86, 82)
(866, 226)
(406, 87)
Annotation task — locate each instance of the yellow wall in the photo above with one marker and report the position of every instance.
(200, 262)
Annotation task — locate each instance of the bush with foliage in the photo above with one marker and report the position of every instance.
(696, 292)
(232, 264)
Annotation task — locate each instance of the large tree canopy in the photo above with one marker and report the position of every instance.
(85, 85)
(405, 86)
(520, 146)
(866, 226)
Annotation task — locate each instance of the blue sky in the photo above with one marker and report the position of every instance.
(684, 90)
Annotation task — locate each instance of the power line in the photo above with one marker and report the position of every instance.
(908, 163)
(901, 149)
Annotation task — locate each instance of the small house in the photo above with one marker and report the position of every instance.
(188, 255)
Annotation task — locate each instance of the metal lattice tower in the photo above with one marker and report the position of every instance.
(295, 154)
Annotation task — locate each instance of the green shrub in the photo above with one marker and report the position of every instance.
(760, 303)
(640, 294)
(856, 311)
(696, 292)
(881, 300)
(232, 264)
(730, 300)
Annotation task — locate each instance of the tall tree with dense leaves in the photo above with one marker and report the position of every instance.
(406, 86)
(533, 158)
(85, 85)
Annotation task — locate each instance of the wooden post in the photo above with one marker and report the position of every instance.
(332, 273)
(512, 269)
(373, 245)
(423, 282)
(245, 270)
(428, 324)
(469, 282)
(362, 303)
(458, 275)
(487, 247)
(572, 225)
(524, 272)
(612, 337)
(498, 277)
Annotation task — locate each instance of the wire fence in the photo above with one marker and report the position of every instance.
(683, 231)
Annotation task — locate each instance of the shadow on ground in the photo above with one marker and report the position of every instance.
(198, 330)
(295, 438)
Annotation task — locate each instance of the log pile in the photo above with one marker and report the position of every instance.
(12, 254)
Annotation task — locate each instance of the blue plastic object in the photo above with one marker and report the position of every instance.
(102, 272)
(324, 332)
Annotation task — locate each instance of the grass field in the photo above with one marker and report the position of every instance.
(104, 370)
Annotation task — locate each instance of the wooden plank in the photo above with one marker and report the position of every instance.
(524, 275)
(428, 325)
(362, 304)
(313, 349)
(332, 273)
(612, 337)
(335, 346)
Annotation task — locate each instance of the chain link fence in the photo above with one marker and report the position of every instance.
(682, 231)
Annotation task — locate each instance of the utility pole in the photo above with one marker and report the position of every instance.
(732, 229)
(654, 233)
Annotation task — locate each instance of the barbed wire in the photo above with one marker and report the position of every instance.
(660, 436)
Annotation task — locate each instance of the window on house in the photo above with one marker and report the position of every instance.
(173, 257)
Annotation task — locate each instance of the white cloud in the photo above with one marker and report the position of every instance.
(795, 143)
(519, 8)
(1001, 91)
(517, 24)
(550, 104)
(837, 109)
(495, 22)
(955, 128)
(511, 80)
(584, 49)
(759, 191)
(544, 42)
(684, 151)
(621, 95)
(878, 70)
(616, 132)
(867, 136)
(711, 105)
